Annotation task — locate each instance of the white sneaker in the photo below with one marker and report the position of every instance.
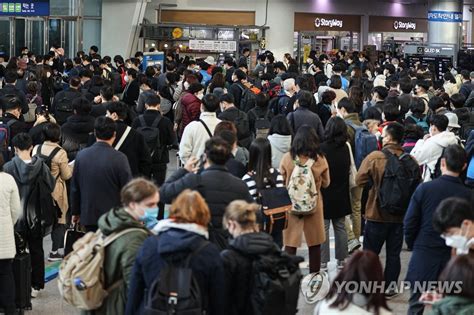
(34, 293)
(353, 245)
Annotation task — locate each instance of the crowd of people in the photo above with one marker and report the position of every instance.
(266, 153)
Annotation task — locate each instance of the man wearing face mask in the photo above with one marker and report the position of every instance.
(11, 120)
(430, 253)
(427, 151)
(9, 90)
(230, 112)
(132, 89)
(99, 174)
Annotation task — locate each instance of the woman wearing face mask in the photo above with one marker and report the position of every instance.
(240, 220)
(191, 105)
(47, 89)
(140, 208)
(184, 236)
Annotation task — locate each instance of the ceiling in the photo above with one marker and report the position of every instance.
(466, 2)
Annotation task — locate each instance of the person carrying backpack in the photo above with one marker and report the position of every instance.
(230, 112)
(10, 125)
(35, 184)
(260, 117)
(158, 133)
(305, 171)
(394, 177)
(417, 116)
(247, 289)
(180, 251)
(103, 260)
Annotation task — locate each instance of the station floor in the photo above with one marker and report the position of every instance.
(50, 302)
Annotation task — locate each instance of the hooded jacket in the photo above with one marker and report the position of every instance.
(25, 175)
(280, 145)
(119, 258)
(427, 152)
(238, 268)
(177, 241)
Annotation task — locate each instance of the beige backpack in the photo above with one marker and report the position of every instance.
(81, 279)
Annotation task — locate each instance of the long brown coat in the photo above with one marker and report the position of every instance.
(311, 225)
(61, 171)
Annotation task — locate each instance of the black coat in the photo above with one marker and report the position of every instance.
(131, 93)
(36, 133)
(167, 134)
(238, 269)
(99, 174)
(16, 127)
(336, 197)
(136, 150)
(215, 184)
(75, 134)
(71, 95)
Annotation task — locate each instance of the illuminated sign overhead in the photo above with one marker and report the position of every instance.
(322, 22)
(25, 8)
(444, 16)
(399, 25)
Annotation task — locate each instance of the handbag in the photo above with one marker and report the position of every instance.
(352, 169)
(71, 235)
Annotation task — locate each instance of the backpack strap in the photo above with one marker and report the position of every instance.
(123, 138)
(142, 121)
(10, 122)
(51, 156)
(114, 236)
(206, 127)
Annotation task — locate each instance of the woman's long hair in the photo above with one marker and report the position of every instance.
(260, 162)
(306, 143)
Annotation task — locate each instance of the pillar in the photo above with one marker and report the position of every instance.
(442, 25)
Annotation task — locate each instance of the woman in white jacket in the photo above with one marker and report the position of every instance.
(10, 210)
(280, 134)
(450, 85)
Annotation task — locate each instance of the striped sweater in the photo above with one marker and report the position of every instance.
(252, 185)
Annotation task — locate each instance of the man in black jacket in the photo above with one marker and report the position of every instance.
(230, 112)
(9, 91)
(62, 104)
(237, 88)
(129, 141)
(99, 174)
(303, 116)
(132, 89)
(12, 117)
(214, 182)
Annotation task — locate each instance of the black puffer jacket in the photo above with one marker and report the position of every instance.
(75, 134)
(217, 186)
(238, 268)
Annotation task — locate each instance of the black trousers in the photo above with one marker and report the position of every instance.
(7, 287)
(57, 236)
(158, 175)
(34, 241)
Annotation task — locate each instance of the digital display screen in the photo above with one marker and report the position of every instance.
(24, 8)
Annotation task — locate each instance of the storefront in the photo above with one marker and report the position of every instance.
(199, 34)
(325, 33)
(392, 33)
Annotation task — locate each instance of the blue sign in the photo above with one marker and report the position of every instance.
(444, 16)
(25, 8)
(153, 59)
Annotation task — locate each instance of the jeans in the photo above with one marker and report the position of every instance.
(354, 232)
(340, 236)
(57, 237)
(7, 286)
(376, 234)
(415, 307)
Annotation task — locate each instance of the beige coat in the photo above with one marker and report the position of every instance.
(62, 171)
(311, 225)
(10, 211)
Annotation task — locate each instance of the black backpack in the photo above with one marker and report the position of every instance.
(176, 291)
(47, 159)
(276, 284)
(40, 208)
(262, 125)
(151, 135)
(6, 149)
(400, 179)
(243, 126)
(437, 169)
(248, 99)
(63, 107)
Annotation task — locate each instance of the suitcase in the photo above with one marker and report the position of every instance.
(70, 237)
(22, 276)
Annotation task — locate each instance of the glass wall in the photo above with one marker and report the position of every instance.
(5, 36)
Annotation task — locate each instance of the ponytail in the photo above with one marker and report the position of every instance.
(243, 213)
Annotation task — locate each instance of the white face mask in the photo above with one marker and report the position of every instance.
(186, 85)
(48, 74)
(200, 96)
(50, 63)
(460, 242)
(126, 79)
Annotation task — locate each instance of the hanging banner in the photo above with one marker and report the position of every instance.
(444, 16)
(213, 45)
